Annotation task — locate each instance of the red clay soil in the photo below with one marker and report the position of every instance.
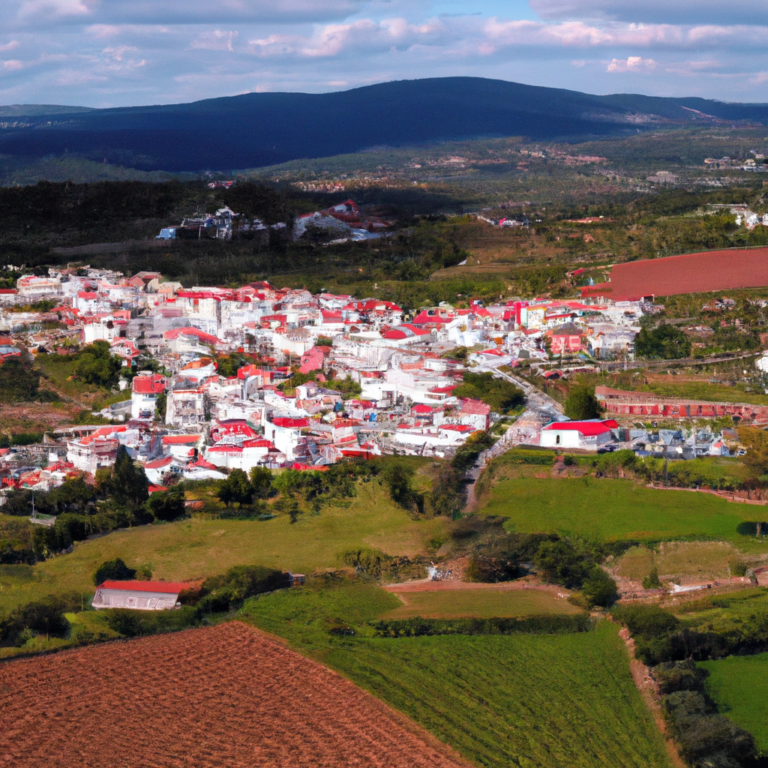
(222, 696)
(690, 273)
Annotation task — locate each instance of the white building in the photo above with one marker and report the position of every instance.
(579, 435)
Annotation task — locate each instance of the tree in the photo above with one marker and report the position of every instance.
(18, 381)
(498, 393)
(167, 505)
(96, 365)
(599, 588)
(235, 489)
(113, 570)
(128, 482)
(756, 442)
(397, 477)
(261, 482)
(582, 404)
(161, 405)
(667, 342)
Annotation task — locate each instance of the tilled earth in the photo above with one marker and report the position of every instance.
(222, 696)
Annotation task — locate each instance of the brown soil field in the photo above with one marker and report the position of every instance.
(223, 696)
(689, 273)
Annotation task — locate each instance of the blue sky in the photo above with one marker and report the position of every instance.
(104, 53)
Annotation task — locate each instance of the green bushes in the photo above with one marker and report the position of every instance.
(220, 593)
(466, 455)
(128, 623)
(532, 625)
(377, 564)
(540, 458)
(43, 617)
(113, 570)
(500, 394)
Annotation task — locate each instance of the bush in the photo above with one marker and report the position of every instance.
(675, 676)
(652, 580)
(113, 570)
(167, 505)
(582, 404)
(532, 625)
(220, 593)
(42, 617)
(599, 588)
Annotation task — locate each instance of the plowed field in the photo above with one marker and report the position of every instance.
(224, 696)
(690, 273)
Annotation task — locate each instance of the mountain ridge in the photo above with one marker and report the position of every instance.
(262, 129)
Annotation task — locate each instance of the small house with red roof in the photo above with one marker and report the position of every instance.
(144, 393)
(140, 595)
(580, 435)
(474, 413)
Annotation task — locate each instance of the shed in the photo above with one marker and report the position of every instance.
(139, 595)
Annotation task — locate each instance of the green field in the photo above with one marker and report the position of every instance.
(545, 701)
(739, 686)
(480, 603)
(618, 510)
(196, 548)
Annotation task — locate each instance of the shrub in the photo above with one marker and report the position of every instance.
(599, 588)
(42, 617)
(652, 580)
(113, 570)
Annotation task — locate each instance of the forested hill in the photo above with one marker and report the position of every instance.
(261, 129)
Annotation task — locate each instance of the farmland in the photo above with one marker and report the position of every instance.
(541, 700)
(739, 687)
(617, 510)
(226, 695)
(690, 273)
(481, 603)
(197, 548)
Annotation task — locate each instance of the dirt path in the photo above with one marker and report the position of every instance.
(649, 691)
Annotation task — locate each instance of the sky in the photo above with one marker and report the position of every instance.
(104, 53)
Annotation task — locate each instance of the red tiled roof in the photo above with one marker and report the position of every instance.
(169, 587)
(149, 385)
(587, 428)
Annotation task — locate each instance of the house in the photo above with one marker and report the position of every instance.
(186, 403)
(157, 469)
(566, 340)
(313, 359)
(144, 393)
(285, 434)
(475, 413)
(181, 447)
(580, 435)
(139, 595)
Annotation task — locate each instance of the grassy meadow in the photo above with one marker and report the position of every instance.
(617, 510)
(480, 603)
(739, 687)
(546, 700)
(196, 548)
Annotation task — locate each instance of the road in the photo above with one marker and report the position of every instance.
(537, 400)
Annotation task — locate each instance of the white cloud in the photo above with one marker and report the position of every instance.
(656, 11)
(12, 65)
(632, 64)
(218, 40)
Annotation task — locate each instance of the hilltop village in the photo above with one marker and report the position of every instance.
(216, 379)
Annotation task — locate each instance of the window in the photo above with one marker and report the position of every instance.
(557, 440)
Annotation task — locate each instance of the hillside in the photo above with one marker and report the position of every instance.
(259, 129)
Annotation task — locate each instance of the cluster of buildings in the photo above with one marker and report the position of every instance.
(218, 379)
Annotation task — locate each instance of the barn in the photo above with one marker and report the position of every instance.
(139, 595)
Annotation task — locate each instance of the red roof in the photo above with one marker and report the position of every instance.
(149, 385)
(308, 468)
(587, 428)
(169, 587)
(179, 439)
(475, 407)
(287, 423)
